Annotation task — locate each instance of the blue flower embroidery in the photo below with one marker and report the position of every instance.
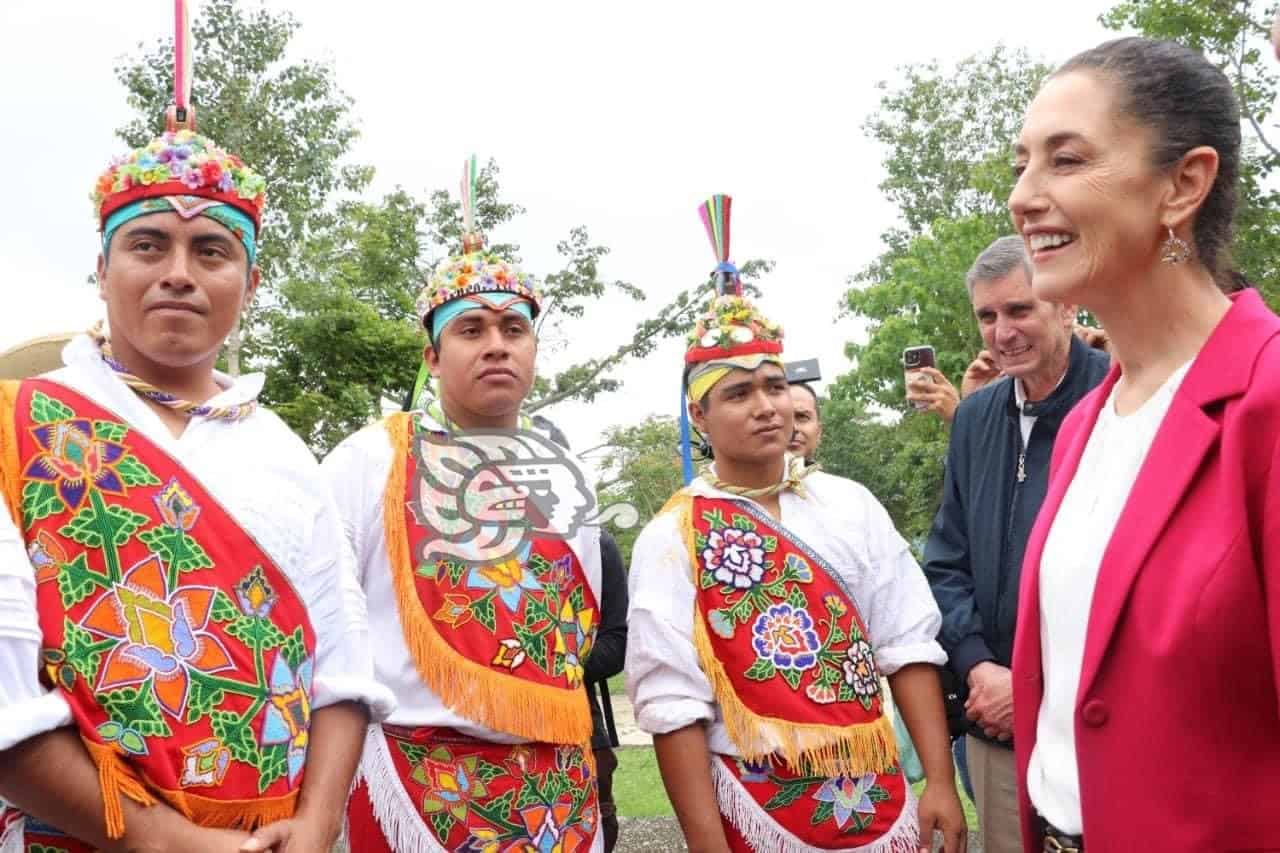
(784, 635)
(847, 795)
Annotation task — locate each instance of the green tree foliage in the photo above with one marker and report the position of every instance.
(1233, 35)
(898, 461)
(342, 337)
(641, 466)
(947, 136)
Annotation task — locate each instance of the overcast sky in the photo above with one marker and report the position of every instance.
(619, 118)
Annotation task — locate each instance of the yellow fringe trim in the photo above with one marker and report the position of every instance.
(499, 701)
(806, 748)
(10, 470)
(116, 779)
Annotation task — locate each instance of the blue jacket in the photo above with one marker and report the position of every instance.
(973, 558)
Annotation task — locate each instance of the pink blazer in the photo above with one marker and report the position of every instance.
(1178, 714)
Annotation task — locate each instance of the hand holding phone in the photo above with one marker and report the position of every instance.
(914, 358)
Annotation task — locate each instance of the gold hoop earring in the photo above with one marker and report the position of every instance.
(1174, 250)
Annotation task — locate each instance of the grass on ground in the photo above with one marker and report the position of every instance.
(637, 784)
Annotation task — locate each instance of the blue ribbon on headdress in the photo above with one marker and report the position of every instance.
(686, 445)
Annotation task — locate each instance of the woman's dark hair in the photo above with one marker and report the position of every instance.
(1186, 102)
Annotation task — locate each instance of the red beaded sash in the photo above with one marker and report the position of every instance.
(184, 652)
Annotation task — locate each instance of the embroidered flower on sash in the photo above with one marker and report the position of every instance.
(823, 694)
(455, 611)
(735, 557)
(481, 840)
(848, 795)
(451, 785)
(574, 635)
(73, 460)
(561, 572)
(548, 830)
(860, 670)
(47, 556)
(205, 763)
(255, 595)
(176, 507)
(519, 759)
(784, 636)
(510, 654)
(287, 717)
(509, 577)
(162, 635)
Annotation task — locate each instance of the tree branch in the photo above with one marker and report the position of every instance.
(1238, 61)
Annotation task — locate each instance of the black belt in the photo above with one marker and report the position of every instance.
(1056, 841)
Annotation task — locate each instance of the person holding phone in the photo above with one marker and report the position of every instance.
(996, 474)
(1147, 659)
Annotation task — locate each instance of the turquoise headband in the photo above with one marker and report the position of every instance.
(232, 219)
(498, 301)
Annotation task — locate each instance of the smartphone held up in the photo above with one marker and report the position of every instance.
(914, 358)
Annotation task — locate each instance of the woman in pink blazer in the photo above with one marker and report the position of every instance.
(1146, 710)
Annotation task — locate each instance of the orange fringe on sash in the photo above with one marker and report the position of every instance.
(808, 748)
(117, 780)
(10, 475)
(499, 701)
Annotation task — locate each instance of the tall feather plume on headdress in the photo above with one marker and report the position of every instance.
(715, 218)
(181, 115)
(472, 239)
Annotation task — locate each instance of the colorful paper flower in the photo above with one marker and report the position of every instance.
(451, 785)
(847, 795)
(287, 716)
(860, 671)
(729, 321)
(73, 461)
(205, 763)
(784, 635)
(735, 557)
(475, 272)
(510, 578)
(162, 635)
(182, 156)
(455, 611)
(176, 507)
(255, 595)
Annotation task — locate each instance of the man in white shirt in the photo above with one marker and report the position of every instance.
(183, 648)
(469, 536)
(996, 475)
(765, 602)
